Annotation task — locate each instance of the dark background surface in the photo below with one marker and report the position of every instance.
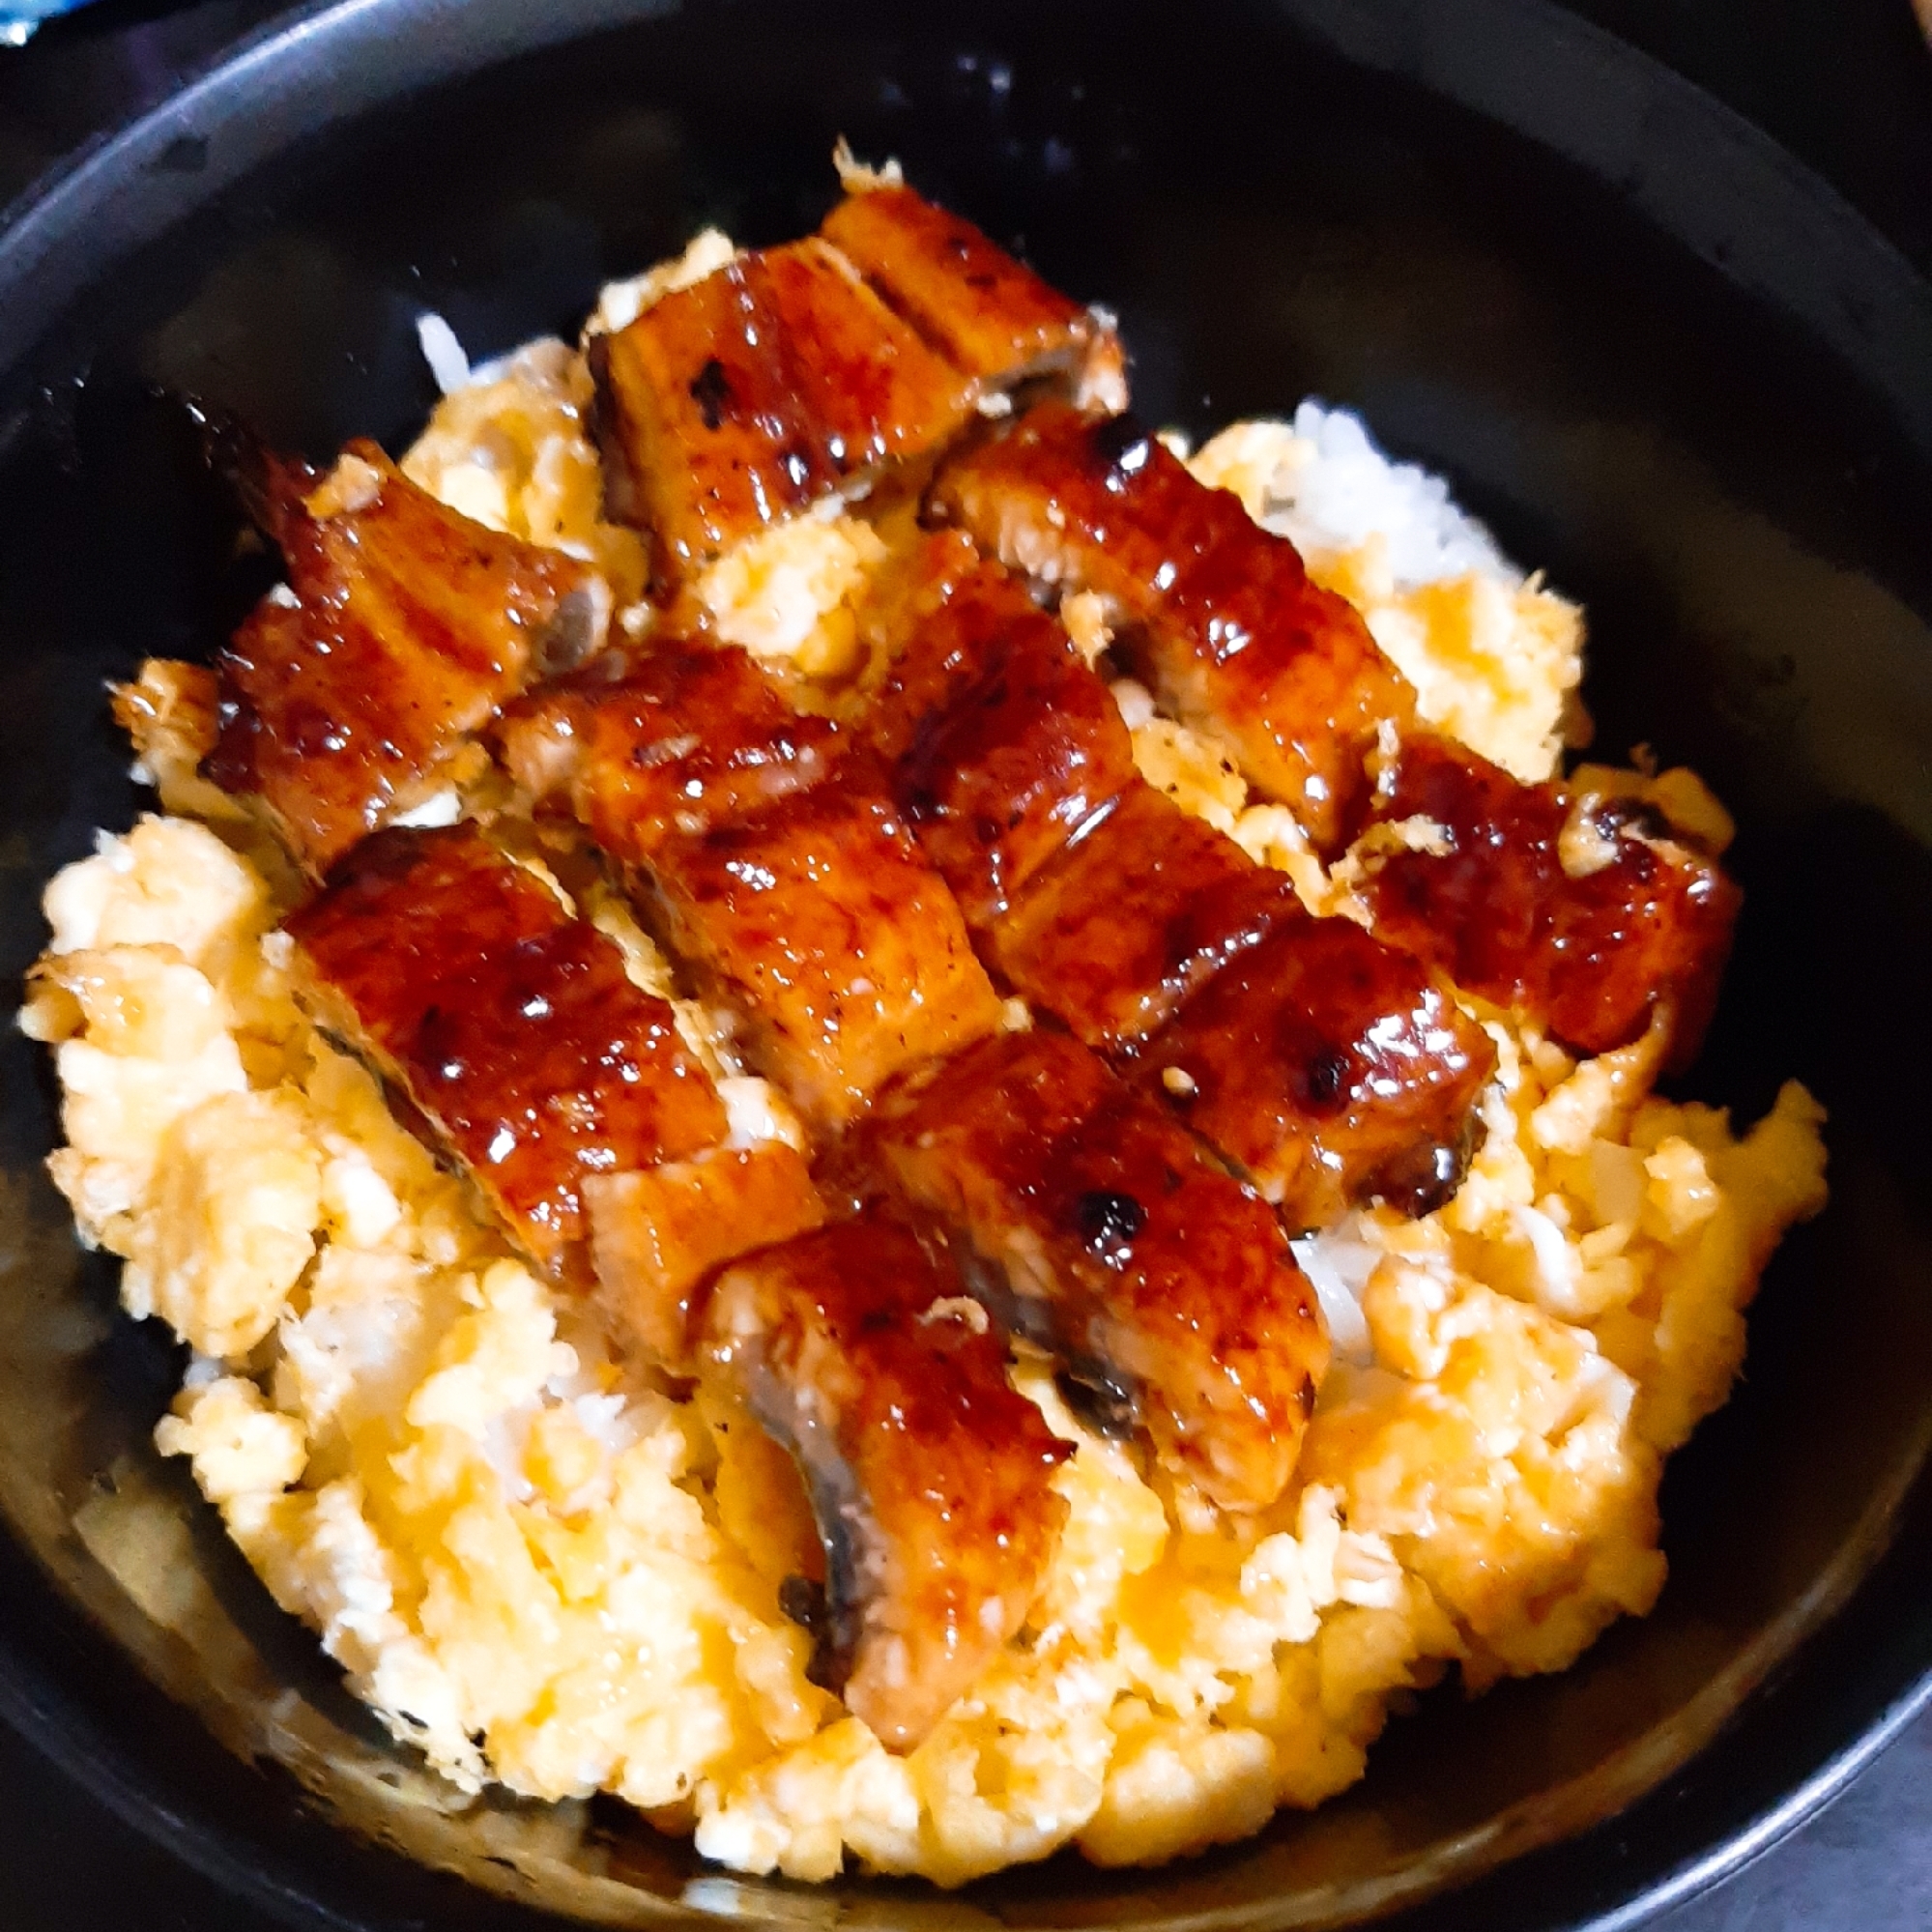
(1847, 86)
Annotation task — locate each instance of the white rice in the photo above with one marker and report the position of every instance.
(1339, 489)
(447, 360)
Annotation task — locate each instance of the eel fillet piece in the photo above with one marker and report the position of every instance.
(1003, 744)
(987, 313)
(929, 1476)
(745, 398)
(659, 1233)
(820, 920)
(1135, 917)
(506, 1024)
(1222, 618)
(670, 746)
(1333, 1068)
(772, 859)
(1585, 911)
(346, 696)
(1095, 1225)
(798, 373)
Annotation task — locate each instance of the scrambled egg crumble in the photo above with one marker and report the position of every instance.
(543, 1568)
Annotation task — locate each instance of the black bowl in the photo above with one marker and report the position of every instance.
(1661, 359)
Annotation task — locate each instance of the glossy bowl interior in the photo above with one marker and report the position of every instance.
(1664, 363)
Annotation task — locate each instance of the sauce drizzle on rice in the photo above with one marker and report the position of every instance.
(567, 1555)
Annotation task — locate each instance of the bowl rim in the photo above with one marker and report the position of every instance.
(309, 67)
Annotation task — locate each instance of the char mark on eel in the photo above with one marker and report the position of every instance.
(1470, 870)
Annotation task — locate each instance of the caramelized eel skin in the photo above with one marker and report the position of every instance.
(1220, 615)
(1004, 744)
(404, 627)
(818, 919)
(736, 402)
(1330, 1071)
(508, 1025)
(1135, 918)
(929, 1476)
(686, 739)
(1497, 910)
(770, 855)
(1333, 1068)
(989, 314)
(1096, 1225)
